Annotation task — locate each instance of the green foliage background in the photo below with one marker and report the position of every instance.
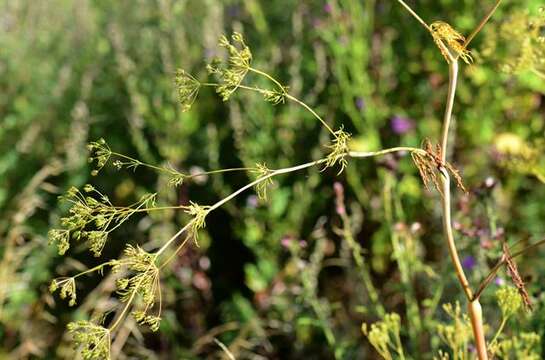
(275, 278)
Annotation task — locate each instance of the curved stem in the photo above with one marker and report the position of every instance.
(294, 99)
(290, 97)
(309, 109)
(447, 228)
(261, 179)
(474, 307)
(276, 82)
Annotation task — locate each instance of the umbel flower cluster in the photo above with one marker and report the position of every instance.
(92, 216)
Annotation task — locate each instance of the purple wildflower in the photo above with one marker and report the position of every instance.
(401, 125)
(469, 262)
(360, 103)
(328, 8)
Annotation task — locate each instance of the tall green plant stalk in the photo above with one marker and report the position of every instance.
(474, 306)
(451, 51)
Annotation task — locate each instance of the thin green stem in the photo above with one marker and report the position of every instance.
(453, 78)
(500, 330)
(128, 215)
(127, 306)
(137, 162)
(474, 307)
(176, 172)
(289, 97)
(276, 82)
(264, 178)
(232, 196)
(365, 154)
(93, 269)
(415, 15)
(175, 253)
(159, 208)
(482, 23)
(172, 239)
(211, 172)
(294, 99)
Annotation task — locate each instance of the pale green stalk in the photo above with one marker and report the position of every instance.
(474, 307)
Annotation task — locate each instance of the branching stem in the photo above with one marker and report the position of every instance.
(488, 279)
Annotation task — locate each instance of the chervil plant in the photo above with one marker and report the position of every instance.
(92, 217)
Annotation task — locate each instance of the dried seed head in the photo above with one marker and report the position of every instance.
(430, 162)
(447, 39)
(513, 272)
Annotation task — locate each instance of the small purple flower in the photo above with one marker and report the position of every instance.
(360, 103)
(469, 262)
(401, 125)
(499, 281)
(328, 8)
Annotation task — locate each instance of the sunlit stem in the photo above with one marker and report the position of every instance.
(415, 15)
(474, 307)
(276, 82)
(174, 172)
(482, 23)
(286, 95)
(365, 154)
(218, 204)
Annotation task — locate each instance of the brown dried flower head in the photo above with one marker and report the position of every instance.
(430, 162)
(512, 269)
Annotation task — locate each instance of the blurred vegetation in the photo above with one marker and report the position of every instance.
(295, 276)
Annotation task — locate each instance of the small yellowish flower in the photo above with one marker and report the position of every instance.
(448, 39)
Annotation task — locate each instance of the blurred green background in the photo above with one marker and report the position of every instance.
(275, 279)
